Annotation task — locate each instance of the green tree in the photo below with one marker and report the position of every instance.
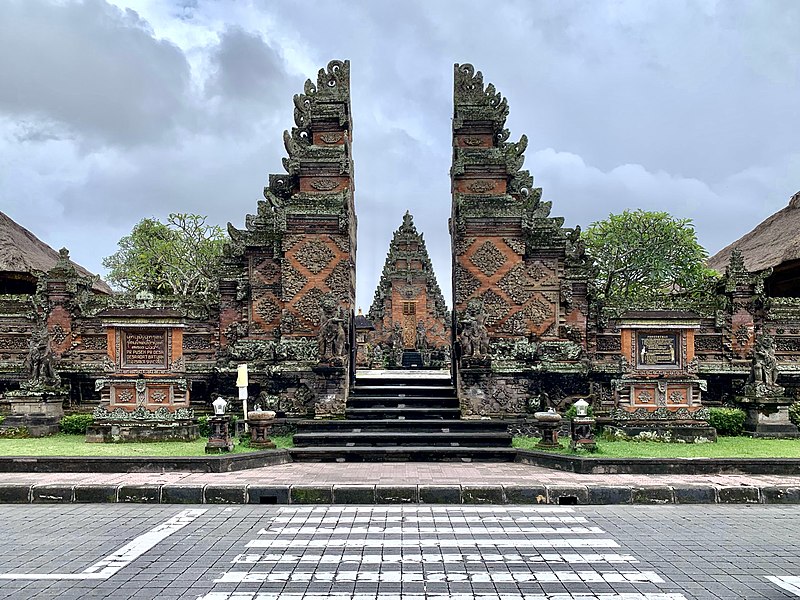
(644, 255)
(180, 257)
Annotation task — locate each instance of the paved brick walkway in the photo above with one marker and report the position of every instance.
(399, 474)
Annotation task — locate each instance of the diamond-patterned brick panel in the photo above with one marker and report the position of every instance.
(314, 255)
(540, 313)
(264, 269)
(488, 258)
(495, 306)
(339, 281)
(292, 281)
(309, 306)
(466, 284)
(516, 284)
(542, 273)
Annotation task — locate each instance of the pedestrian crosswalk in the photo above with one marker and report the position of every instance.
(435, 553)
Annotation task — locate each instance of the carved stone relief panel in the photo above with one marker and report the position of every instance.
(495, 306)
(487, 258)
(264, 312)
(308, 307)
(517, 284)
(292, 281)
(340, 280)
(543, 273)
(466, 284)
(314, 255)
(263, 269)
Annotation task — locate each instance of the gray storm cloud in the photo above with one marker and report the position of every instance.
(111, 112)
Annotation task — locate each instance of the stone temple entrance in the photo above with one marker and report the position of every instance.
(411, 320)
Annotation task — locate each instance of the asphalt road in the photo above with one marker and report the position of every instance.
(253, 552)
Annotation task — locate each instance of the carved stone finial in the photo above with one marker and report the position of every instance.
(736, 267)
(469, 90)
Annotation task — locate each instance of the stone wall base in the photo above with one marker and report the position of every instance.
(127, 432)
(662, 432)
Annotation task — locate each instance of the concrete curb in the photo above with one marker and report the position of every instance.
(408, 494)
(594, 465)
(219, 463)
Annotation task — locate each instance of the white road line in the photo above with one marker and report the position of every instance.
(439, 577)
(504, 596)
(476, 542)
(335, 559)
(112, 563)
(437, 519)
(787, 583)
(426, 509)
(509, 530)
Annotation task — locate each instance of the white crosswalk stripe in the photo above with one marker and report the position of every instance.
(787, 583)
(424, 552)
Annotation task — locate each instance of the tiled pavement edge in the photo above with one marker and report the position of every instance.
(393, 483)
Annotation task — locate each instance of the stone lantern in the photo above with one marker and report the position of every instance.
(581, 435)
(220, 438)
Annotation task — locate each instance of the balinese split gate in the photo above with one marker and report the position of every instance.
(411, 379)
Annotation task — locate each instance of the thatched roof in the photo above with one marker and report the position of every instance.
(773, 242)
(23, 252)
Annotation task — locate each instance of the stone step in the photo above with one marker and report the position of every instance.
(405, 413)
(402, 402)
(405, 390)
(406, 425)
(403, 454)
(348, 439)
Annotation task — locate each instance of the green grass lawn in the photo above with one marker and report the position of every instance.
(74, 445)
(725, 447)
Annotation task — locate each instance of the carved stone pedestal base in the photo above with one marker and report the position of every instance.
(38, 414)
(220, 439)
(260, 423)
(581, 434)
(768, 417)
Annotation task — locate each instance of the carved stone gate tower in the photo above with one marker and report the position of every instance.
(288, 291)
(519, 277)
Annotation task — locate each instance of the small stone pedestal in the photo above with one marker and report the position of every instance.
(581, 434)
(260, 422)
(38, 413)
(220, 439)
(549, 423)
(767, 414)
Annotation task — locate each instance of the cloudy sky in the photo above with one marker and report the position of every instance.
(115, 110)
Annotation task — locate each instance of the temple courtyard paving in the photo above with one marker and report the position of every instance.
(405, 552)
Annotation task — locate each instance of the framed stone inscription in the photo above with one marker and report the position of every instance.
(658, 351)
(143, 349)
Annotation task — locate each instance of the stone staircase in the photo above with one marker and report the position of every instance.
(402, 416)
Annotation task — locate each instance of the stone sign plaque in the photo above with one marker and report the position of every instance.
(143, 349)
(658, 351)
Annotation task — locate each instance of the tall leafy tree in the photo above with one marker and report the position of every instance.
(180, 257)
(643, 255)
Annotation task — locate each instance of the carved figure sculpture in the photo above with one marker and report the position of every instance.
(377, 356)
(397, 344)
(764, 368)
(474, 337)
(40, 361)
(420, 343)
(332, 336)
